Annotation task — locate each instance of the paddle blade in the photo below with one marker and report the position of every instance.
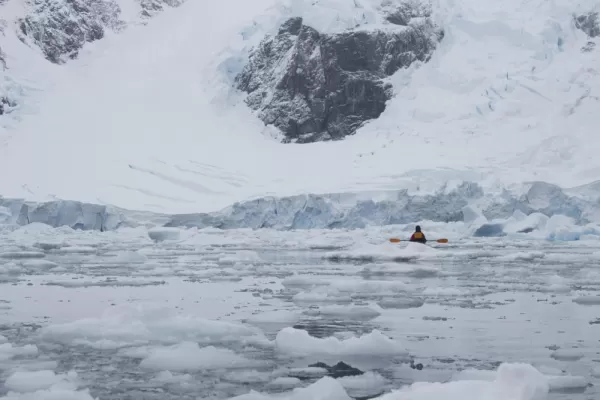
(395, 240)
(442, 240)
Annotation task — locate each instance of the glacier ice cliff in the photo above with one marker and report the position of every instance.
(335, 210)
(74, 214)
(314, 86)
(359, 210)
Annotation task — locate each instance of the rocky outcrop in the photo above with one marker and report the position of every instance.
(6, 105)
(152, 7)
(60, 28)
(315, 86)
(589, 23)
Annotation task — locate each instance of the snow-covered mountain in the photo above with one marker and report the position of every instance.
(187, 107)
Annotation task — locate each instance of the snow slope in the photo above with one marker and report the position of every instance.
(147, 119)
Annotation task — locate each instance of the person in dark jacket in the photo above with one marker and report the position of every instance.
(418, 236)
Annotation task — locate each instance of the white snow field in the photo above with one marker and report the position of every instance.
(263, 314)
(147, 119)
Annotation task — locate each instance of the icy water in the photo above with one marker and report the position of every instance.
(217, 314)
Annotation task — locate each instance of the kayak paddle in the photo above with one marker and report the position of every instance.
(396, 240)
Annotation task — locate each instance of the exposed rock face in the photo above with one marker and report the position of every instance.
(61, 28)
(6, 105)
(589, 23)
(2, 55)
(152, 7)
(315, 86)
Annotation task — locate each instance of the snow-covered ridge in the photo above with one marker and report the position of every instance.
(467, 203)
(56, 31)
(506, 96)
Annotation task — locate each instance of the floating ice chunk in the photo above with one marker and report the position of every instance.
(32, 381)
(401, 302)
(511, 381)
(317, 296)
(566, 383)
(567, 355)
(5, 215)
(39, 264)
(54, 393)
(442, 291)
(8, 351)
(169, 377)
(365, 385)
(587, 300)
(129, 257)
(33, 229)
(22, 254)
(136, 324)
(523, 256)
(490, 230)
(471, 374)
(161, 234)
(373, 287)
(388, 252)
(532, 222)
(558, 288)
(344, 311)
(245, 256)
(308, 372)
(555, 382)
(562, 228)
(77, 250)
(286, 317)
(245, 376)
(37, 364)
(299, 342)
(473, 216)
(284, 382)
(188, 356)
(325, 388)
(298, 281)
(48, 245)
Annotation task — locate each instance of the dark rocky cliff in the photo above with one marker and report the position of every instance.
(60, 28)
(314, 86)
(590, 24)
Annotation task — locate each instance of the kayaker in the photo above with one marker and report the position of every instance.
(418, 236)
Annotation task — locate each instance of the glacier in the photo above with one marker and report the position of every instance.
(488, 213)
(149, 118)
